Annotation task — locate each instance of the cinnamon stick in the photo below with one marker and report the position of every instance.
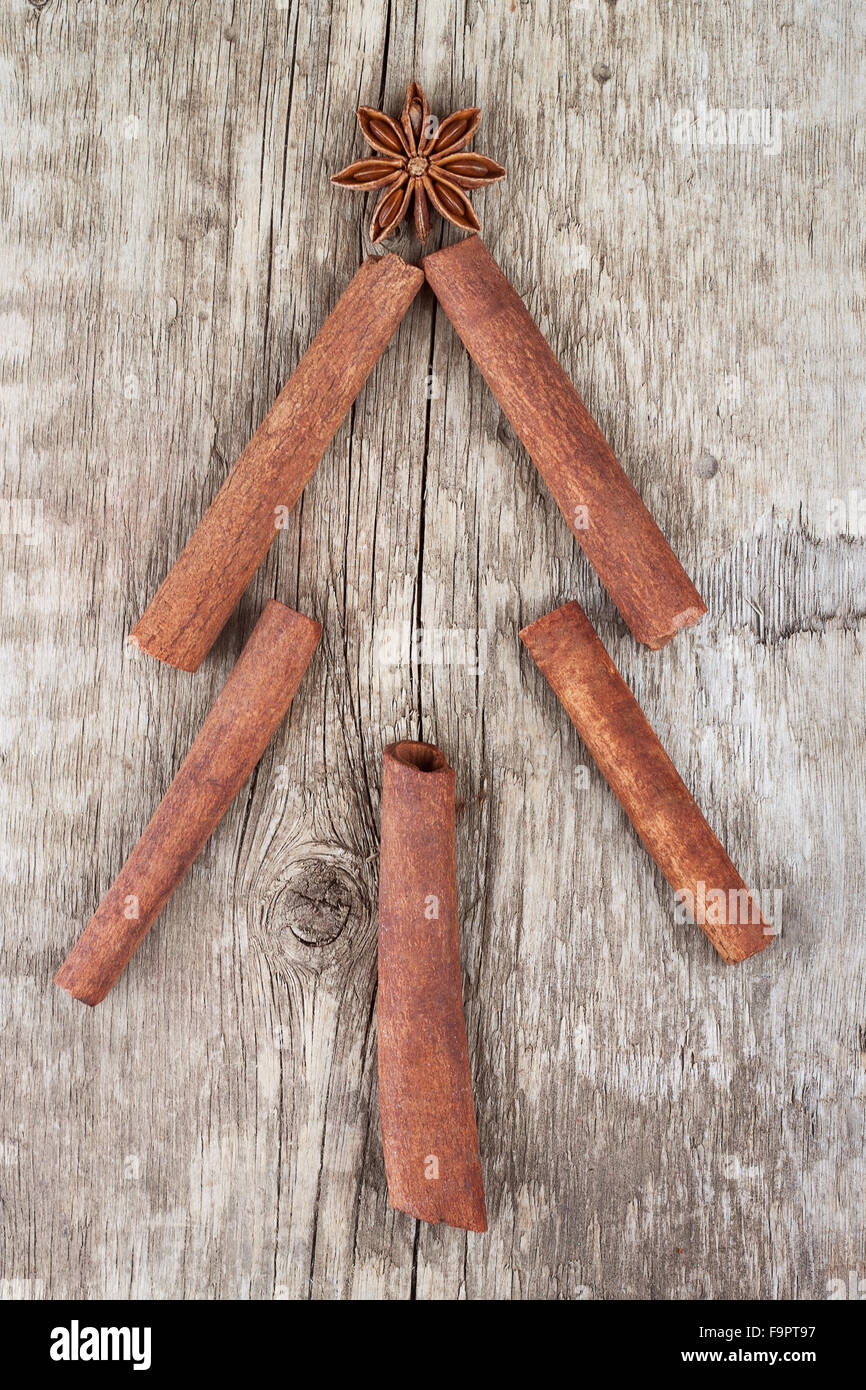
(565, 647)
(233, 738)
(622, 542)
(429, 1137)
(190, 608)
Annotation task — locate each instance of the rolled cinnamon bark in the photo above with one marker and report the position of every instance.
(565, 647)
(425, 1088)
(183, 620)
(622, 542)
(233, 738)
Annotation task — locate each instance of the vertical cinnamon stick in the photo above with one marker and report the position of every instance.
(622, 542)
(183, 620)
(233, 738)
(425, 1088)
(565, 647)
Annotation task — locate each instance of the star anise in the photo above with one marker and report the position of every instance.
(424, 160)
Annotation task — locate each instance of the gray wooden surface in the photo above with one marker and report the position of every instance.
(652, 1122)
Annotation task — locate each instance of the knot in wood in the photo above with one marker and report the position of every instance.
(317, 902)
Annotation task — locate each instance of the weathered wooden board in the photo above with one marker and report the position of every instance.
(652, 1122)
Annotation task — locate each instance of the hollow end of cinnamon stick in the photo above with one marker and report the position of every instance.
(567, 650)
(656, 639)
(423, 757)
(429, 1134)
(202, 588)
(245, 715)
(602, 507)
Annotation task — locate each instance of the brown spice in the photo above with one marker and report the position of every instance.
(622, 542)
(233, 738)
(189, 610)
(565, 647)
(421, 162)
(425, 1087)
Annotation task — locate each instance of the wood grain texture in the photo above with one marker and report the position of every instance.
(708, 891)
(429, 1135)
(652, 1122)
(622, 542)
(235, 734)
